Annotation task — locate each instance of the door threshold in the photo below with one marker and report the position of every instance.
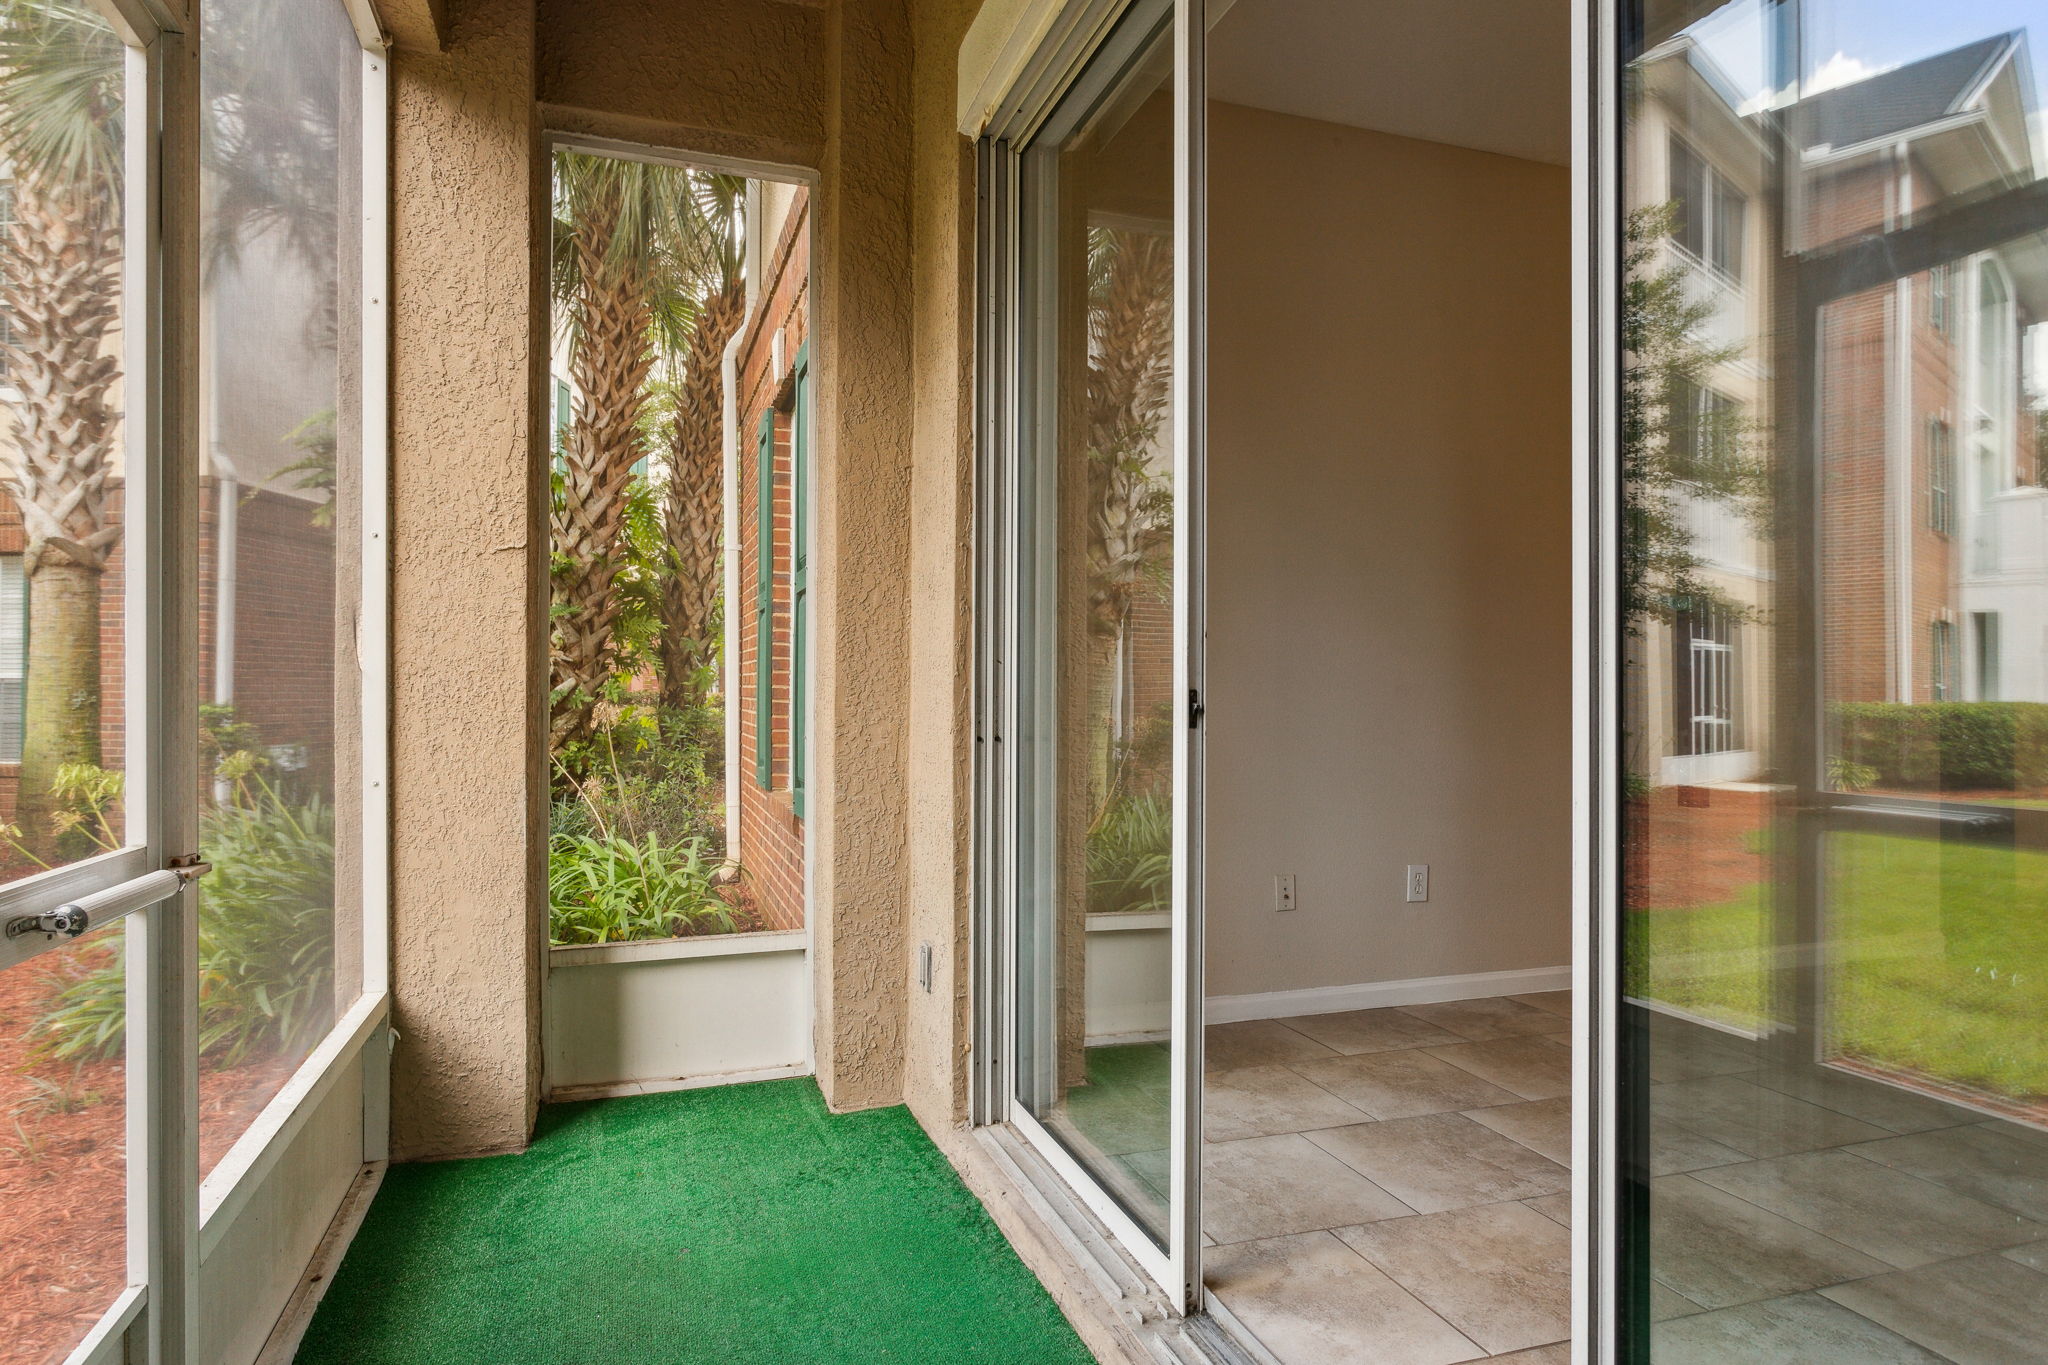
(1123, 1290)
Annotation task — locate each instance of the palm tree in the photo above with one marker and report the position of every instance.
(615, 254)
(1129, 506)
(61, 71)
(693, 502)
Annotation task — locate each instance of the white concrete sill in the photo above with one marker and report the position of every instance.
(676, 949)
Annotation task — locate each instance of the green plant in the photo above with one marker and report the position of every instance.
(1130, 856)
(606, 887)
(59, 1096)
(1952, 745)
(266, 942)
(1845, 774)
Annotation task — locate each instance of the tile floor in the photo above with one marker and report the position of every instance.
(1390, 1186)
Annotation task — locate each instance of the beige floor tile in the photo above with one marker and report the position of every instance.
(1534, 1068)
(1355, 1031)
(1258, 1042)
(1443, 1161)
(1271, 1186)
(1557, 1353)
(1898, 1218)
(1719, 1250)
(1753, 1120)
(1541, 1125)
(1801, 1327)
(1556, 1207)
(1674, 1149)
(1311, 1300)
(1982, 1310)
(1667, 1303)
(1499, 1273)
(1996, 1164)
(1495, 1017)
(1393, 1085)
(1259, 1101)
(1888, 1106)
(1680, 1051)
(1557, 1002)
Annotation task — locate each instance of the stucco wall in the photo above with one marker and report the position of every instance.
(1389, 575)
(468, 791)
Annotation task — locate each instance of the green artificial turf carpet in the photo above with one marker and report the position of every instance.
(738, 1224)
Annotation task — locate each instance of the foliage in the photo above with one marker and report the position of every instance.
(266, 940)
(649, 772)
(1662, 318)
(81, 817)
(606, 887)
(1957, 745)
(316, 469)
(1130, 856)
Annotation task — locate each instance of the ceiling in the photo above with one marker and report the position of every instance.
(1490, 74)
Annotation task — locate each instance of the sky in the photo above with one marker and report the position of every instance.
(1846, 40)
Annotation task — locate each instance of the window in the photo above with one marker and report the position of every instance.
(1941, 477)
(1702, 426)
(1941, 658)
(1941, 315)
(764, 604)
(799, 570)
(13, 654)
(1711, 212)
(1985, 640)
(1705, 638)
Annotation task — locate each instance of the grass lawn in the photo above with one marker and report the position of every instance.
(1938, 959)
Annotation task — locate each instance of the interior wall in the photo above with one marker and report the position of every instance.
(1389, 556)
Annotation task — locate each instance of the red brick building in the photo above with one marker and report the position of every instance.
(767, 605)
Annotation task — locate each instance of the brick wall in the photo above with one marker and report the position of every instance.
(284, 617)
(771, 832)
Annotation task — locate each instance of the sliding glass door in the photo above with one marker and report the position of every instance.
(1090, 677)
(1824, 228)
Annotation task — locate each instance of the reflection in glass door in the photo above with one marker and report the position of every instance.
(1834, 898)
(1092, 709)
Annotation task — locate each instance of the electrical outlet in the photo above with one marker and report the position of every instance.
(1283, 891)
(1418, 881)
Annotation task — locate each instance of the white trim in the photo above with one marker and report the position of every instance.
(373, 620)
(235, 1178)
(282, 1345)
(627, 150)
(671, 949)
(613, 1090)
(1125, 921)
(1368, 995)
(107, 1342)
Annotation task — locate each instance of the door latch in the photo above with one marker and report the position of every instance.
(68, 920)
(1195, 707)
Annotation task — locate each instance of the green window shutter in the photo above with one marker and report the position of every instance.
(564, 414)
(764, 606)
(799, 572)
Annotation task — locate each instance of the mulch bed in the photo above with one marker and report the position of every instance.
(63, 1200)
(1684, 847)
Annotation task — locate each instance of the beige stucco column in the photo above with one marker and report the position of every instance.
(468, 791)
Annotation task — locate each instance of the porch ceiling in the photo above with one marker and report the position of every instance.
(1472, 73)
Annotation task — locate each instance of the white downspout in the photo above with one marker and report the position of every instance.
(729, 423)
(226, 555)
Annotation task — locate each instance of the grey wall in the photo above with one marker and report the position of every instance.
(1390, 409)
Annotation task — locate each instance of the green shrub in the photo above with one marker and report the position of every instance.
(266, 941)
(1952, 745)
(1130, 856)
(650, 772)
(605, 888)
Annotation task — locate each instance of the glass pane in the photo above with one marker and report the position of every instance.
(62, 570)
(1835, 576)
(1095, 609)
(63, 1144)
(279, 551)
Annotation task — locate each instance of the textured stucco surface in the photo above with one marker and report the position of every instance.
(863, 288)
(468, 790)
(733, 78)
(937, 871)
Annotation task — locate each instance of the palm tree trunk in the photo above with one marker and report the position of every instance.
(611, 359)
(693, 509)
(60, 282)
(61, 696)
